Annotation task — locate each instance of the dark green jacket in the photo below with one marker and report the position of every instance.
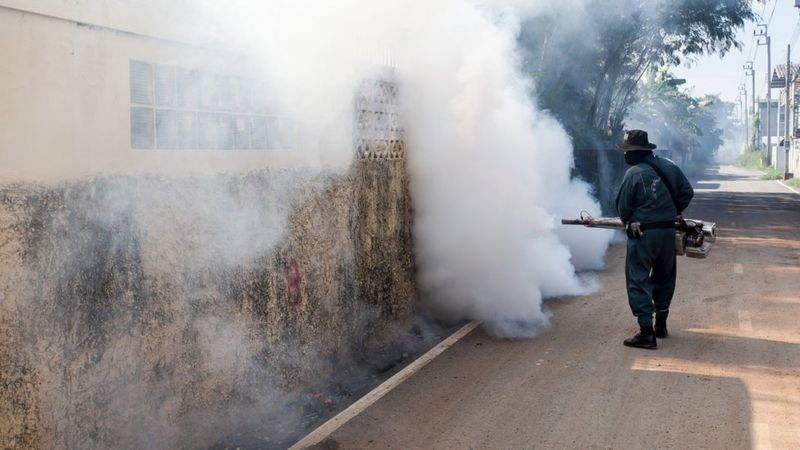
(644, 198)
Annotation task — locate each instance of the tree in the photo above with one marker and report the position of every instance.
(692, 126)
(589, 58)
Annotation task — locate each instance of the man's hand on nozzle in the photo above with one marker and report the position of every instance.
(634, 230)
(680, 222)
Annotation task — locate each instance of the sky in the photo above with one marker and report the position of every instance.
(715, 75)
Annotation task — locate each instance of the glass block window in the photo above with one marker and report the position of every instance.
(259, 132)
(187, 88)
(179, 108)
(166, 128)
(225, 124)
(207, 131)
(142, 131)
(141, 75)
(187, 129)
(242, 131)
(165, 85)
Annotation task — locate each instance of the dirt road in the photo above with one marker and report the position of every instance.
(728, 378)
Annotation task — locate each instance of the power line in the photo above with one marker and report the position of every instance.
(795, 33)
(754, 48)
(772, 13)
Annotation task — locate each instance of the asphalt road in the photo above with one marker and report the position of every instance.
(727, 378)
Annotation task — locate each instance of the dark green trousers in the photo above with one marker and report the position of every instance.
(650, 272)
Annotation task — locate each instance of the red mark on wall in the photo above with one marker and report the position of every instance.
(294, 296)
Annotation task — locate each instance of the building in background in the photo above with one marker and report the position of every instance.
(762, 129)
(778, 155)
(94, 86)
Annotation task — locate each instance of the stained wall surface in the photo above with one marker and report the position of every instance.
(149, 312)
(171, 298)
(65, 105)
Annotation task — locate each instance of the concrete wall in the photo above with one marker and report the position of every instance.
(170, 20)
(148, 312)
(65, 97)
(172, 298)
(794, 159)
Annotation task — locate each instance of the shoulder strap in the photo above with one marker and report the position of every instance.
(665, 181)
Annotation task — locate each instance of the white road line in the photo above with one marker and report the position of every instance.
(738, 268)
(788, 187)
(745, 321)
(761, 437)
(325, 430)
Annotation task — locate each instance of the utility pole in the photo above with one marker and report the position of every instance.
(748, 71)
(786, 145)
(743, 91)
(761, 32)
(786, 174)
(740, 112)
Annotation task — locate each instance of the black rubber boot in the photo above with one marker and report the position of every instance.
(661, 324)
(646, 338)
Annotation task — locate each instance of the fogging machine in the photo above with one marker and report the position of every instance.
(693, 237)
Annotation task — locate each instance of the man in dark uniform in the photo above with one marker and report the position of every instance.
(653, 194)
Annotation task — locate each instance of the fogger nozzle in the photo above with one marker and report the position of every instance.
(693, 237)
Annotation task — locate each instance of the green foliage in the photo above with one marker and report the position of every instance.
(771, 173)
(755, 144)
(589, 58)
(694, 27)
(678, 121)
(757, 160)
(752, 160)
(794, 182)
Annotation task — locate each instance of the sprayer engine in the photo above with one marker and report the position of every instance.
(693, 238)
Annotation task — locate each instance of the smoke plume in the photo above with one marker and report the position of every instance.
(490, 177)
(490, 174)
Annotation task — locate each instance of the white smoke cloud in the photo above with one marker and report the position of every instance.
(490, 175)
(490, 179)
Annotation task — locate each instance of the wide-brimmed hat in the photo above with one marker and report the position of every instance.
(636, 140)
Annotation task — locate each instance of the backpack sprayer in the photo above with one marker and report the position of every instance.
(693, 238)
